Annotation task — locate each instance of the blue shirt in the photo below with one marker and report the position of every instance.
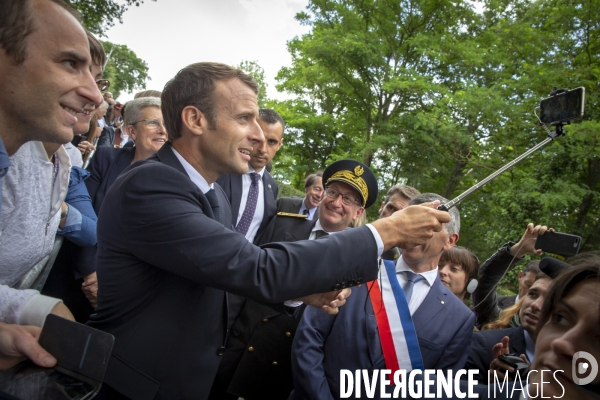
(4, 164)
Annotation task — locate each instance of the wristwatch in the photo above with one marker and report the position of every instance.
(65, 212)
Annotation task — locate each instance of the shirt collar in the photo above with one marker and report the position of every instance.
(261, 172)
(430, 276)
(193, 174)
(304, 206)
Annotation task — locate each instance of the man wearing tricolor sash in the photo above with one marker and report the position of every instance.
(406, 319)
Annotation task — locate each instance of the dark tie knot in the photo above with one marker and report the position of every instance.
(320, 233)
(255, 177)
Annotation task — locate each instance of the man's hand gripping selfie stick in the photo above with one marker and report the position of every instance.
(551, 136)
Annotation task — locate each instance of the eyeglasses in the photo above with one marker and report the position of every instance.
(151, 123)
(347, 199)
(103, 84)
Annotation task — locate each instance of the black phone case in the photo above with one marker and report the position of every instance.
(82, 354)
(563, 244)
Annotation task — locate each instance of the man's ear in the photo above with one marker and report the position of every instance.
(194, 120)
(520, 275)
(452, 239)
(359, 212)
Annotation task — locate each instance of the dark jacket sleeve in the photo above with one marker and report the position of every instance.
(308, 355)
(479, 357)
(164, 226)
(485, 299)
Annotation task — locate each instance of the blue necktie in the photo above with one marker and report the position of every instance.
(244, 224)
(411, 279)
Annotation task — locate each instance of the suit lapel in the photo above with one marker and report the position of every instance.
(269, 196)
(517, 341)
(372, 333)
(166, 156)
(236, 196)
(433, 303)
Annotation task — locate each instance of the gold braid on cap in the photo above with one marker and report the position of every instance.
(354, 179)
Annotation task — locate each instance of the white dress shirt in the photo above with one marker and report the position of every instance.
(260, 203)
(421, 288)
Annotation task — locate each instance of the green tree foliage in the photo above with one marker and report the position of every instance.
(433, 94)
(99, 15)
(253, 69)
(125, 70)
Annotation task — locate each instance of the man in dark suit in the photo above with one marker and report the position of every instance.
(488, 345)
(313, 187)
(266, 372)
(253, 203)
(487, 306)
(351, 339)
(166, 256)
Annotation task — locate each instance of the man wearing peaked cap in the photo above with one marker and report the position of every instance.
(265, 371)
(357, 175)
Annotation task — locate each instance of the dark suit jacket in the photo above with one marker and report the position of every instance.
(107, 137)
(480, 355)
(289, 204)
(232, 185)
(164, 263)
(266, 372)
(324, 343)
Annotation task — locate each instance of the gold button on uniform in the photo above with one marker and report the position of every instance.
(288, 334)
(442, 301)
(265, 320)
(251, 349)
(274, 362)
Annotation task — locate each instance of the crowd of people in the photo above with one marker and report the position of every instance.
(159, 222)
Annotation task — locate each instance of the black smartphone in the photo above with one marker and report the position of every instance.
(563, 107)
(76, 140)
(82, 354)
(563, 244)
(520, 366)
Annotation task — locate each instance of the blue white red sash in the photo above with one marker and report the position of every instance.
(396, 330)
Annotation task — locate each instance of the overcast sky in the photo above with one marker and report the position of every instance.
(170, 34)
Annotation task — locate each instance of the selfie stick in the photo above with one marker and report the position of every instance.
(551, 136)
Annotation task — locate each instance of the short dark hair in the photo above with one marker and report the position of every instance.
(589, 269)
(17, 22)
(96, 50)
(465, 258)
(270, 116)
(195, 86)
(403, 190)
(312, 178)
(451, 227)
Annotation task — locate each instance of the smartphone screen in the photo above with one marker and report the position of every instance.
(563, 107)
